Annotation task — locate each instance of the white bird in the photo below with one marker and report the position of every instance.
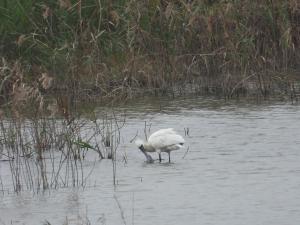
(164, 140)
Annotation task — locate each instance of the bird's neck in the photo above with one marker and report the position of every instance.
(148, 147)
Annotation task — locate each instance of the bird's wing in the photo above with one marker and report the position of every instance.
(165, 139)
(161, 132)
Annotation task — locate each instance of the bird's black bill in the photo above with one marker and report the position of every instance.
(148, 157)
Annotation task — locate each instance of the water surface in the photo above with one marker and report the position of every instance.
(242, 167)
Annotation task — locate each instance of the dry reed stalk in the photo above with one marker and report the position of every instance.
(45, 153)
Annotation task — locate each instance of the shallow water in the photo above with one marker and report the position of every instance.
(242, 167)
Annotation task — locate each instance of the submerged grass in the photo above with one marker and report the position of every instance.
(104, 48)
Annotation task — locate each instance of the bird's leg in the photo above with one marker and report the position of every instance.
(159, 156)
(169, 157)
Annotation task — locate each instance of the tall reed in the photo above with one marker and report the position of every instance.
(99, 47)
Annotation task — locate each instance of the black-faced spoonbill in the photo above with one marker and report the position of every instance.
(164, 140)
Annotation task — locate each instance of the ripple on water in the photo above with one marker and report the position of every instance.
(242, 167)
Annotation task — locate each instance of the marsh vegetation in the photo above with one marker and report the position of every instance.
(56, 55)
(125, 48)
(48, 153)
(61, 59)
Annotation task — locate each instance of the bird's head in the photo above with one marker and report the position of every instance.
(140, 144)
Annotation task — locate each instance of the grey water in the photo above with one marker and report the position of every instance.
(240, 166)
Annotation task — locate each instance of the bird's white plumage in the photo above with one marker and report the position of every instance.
(138, 142)
(164, 140)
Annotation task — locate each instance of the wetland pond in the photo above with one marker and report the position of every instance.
(241, 166)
